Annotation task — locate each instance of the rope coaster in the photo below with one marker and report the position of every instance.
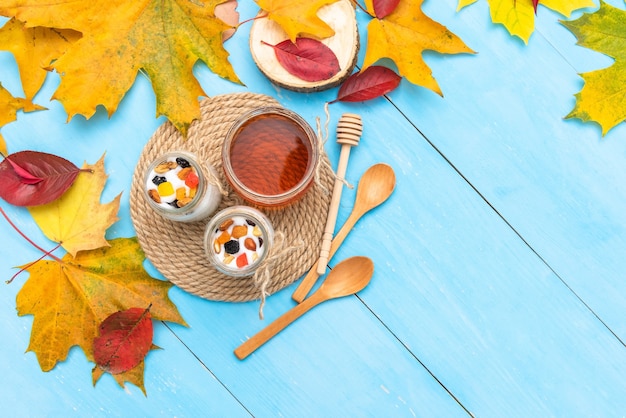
(176, 249)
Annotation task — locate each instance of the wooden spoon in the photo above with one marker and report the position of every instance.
(374, 188)
(348, 277)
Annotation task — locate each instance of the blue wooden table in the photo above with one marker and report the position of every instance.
(500, 259)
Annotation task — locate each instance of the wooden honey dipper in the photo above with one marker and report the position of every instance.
(349, 130)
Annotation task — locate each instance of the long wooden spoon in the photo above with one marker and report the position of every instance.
(375, 186)
(348, 277)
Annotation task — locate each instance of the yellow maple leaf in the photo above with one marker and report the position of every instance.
(34, 49)
(69, 298)
(566, 7)
(77, 220)
(163, 38)
(602, 97)
(298, 17)
(463, 3)
(9, 106)
(3, 146)
(518, 16)
(403, 35)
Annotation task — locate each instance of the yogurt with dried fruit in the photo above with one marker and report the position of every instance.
(177, 187)
(238, 239)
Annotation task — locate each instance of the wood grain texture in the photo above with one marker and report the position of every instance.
(340, 16)
(556, 182)
(499, 259)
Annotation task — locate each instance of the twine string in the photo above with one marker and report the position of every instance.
(262, 277)
(214, 180)
(324, 162)
(323, 138)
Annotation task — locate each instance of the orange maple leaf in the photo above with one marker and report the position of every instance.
(163, 38)
(69, 298)
(9, 106)
(134, 376)
(34, 49)
(298, 17)
(403, 35)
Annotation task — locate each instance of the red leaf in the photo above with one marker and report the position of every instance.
(125, 339)
(369, 84)
(383, 8)
(31, 178)
(23, 174)
(535, 4)
(307, 59)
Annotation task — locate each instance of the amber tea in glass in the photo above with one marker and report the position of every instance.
(269, 157)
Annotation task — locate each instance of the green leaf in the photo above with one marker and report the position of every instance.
(602, 98)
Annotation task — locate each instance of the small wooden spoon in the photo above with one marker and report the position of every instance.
(375, 186)
(348, 277)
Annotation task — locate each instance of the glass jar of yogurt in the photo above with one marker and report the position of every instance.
(237, 240)
(181, 188)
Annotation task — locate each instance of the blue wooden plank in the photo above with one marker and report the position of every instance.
(477, 307)
(558, 183)
(10, 77)
(582, 59)
(337, 360)
(497, 327)
(467, 298)
(501, 330)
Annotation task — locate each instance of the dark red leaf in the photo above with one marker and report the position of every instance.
(383, 8)
(535, 4)
(125, 339)
(307, 59)
(23, 174)
(31, 178)
(369, 84)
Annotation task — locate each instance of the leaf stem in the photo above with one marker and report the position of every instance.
(263, 16)
(32, 263)
(28, 239)
(357, 4)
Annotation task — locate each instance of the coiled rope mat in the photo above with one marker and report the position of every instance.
(176, 249)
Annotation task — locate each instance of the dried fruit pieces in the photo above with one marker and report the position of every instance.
(224, 225)
(165, 189)
(154, 195)
(173, 183)
(182, 174)
(192, 180)
(175, 187)
(242, 260)
(249, 244)
(239, 231)
(232, 247)
(165, 166)
(237, 242)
